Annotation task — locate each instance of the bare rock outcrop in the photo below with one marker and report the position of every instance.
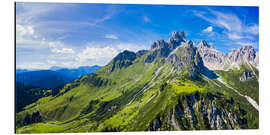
(216, 60)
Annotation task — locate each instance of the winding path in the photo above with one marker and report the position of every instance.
(249, 99)
(145, 86)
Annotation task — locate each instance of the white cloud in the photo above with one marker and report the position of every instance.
(39, 43)
(208, 29)
(97, 54)
(146, 19)
(253, 29)
(27, 12)
(51, 62)
(24, 30)
(100, 20)
(234, 36)
(55, 44)
(233, 26)
(228, 21)
(63, 50)
(111, 36)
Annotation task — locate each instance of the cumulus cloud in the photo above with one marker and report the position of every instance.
(208, 29)
(97, 54)
(111, 36)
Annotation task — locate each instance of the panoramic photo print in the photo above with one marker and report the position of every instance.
(84, 67)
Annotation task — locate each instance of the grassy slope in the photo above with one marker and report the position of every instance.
(94, 103)
(249, 87)
(68, 106)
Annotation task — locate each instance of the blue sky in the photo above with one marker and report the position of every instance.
(73, 35)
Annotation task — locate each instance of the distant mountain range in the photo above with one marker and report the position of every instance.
(45, 79)
(175, 85)
(52, 78)
(76, 72)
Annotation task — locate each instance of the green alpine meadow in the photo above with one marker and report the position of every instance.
(134, 68)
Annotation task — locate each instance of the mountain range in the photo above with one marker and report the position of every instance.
(216, 60)
(76, 72)
(173, 86)
(53, 77)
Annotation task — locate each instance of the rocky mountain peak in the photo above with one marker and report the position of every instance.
(160, 48)
(204, 44)
(176, 40)
(216, 60)
(179, 36)
(158, 44)
(242, 54)
(245, 50)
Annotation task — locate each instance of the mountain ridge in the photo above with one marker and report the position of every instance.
(216, 60)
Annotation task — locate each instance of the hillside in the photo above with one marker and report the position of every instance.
(165, 88)
(27, 94)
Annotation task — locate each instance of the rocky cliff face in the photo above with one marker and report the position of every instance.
(186, 58)
(216, 60)
(161, 49)
(199, 111)
(212, 58)
(242, 55)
